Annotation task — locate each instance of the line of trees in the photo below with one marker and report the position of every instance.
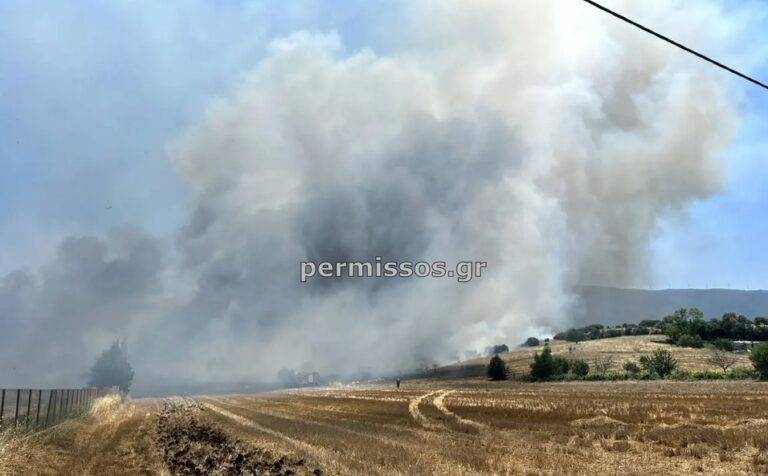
(599, 331)
(688, 328)
(685, 327)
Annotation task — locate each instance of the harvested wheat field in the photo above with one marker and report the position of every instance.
(427, 427)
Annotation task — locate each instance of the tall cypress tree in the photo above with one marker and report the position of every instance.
(112, 369)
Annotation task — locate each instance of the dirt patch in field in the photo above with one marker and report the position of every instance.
(190, 446)
(600, 420)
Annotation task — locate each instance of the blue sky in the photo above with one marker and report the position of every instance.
(91, 92)
(721, 241)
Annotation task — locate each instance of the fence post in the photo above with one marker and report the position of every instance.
(48, 407)
(16, 414)
(39, 402)
(29, 407)
(2, 405)
(57, 410)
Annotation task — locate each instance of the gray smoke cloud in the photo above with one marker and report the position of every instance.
(54, 321)
(539, 137)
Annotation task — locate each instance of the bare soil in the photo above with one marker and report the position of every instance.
(190, 446)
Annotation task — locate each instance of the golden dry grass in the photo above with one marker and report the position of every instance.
(114, 438)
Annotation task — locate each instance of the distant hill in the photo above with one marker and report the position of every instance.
(620, 349)
(611, 306)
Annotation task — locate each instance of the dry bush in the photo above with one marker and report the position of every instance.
(602, 363)
(722, 359)
(14, 448)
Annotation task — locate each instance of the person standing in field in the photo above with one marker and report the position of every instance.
(397, 382)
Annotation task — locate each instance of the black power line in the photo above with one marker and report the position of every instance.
(673, 42)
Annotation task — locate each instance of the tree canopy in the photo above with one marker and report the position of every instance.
(112, 368)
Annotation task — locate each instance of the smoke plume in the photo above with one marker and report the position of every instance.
(541, 137)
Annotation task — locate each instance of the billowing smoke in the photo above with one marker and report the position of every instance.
(541, 137)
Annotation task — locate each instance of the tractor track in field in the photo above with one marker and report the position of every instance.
(438, 401)
(413, 408)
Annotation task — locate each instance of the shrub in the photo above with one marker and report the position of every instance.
(532, 342)
(723, 344)
(560, 366)
(631, 367)
(579, 368)
(603, 363)
(605, 376)
(660, 362)
(742, 373)
(497, 368)
(759, 358)
(687, 340)
(736, 374)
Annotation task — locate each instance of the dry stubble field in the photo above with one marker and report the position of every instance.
(428, 427)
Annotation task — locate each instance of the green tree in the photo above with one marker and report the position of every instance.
(112, 369)
(532, 342)
(497, 368)
(759, 358)
(661, 362)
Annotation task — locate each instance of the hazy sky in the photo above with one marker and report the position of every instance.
(92, 91)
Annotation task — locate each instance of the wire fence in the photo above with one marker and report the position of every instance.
(36, 409)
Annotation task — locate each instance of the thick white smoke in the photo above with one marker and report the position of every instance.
(541, 137)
